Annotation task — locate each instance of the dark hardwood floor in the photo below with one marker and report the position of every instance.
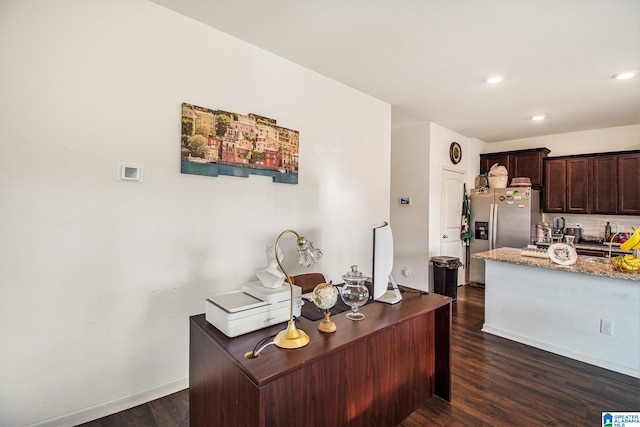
(496, 382)
(169, 411)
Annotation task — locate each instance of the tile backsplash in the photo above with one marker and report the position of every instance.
(593, 225)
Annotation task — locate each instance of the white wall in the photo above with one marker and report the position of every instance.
(410, 160)
(620, 138)
(420, 152)
(98, 277)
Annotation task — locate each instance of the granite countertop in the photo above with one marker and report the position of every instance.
(594, 266)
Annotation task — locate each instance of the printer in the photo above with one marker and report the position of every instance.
(252, 308)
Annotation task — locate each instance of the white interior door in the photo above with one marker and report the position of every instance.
(450, 216)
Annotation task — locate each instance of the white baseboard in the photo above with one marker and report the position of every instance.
(111, 407)
(562, 351)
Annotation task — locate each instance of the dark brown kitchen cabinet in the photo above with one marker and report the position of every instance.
(519, 163)
(488, 160)
(578, 185)
(555, 186)
(604, 179)
(629, 184)
(603, 183)
(587, 252)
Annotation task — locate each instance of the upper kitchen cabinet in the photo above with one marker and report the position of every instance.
(488, 160)
(555, 184)
(629, 184)
(607, 183)
(578, 188)
(520, 163)
(566, 185)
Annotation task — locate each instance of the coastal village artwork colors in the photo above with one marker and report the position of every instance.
(216, 142)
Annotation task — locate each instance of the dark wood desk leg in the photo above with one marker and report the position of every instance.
(443, 352)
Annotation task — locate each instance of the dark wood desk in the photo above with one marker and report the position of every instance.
(373, 372)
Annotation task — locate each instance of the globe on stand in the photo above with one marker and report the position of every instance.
(325, 296)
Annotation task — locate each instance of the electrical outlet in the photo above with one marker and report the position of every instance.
(578, 225)
(606, 327)
(406, 272)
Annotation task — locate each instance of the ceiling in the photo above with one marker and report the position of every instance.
(429, 58)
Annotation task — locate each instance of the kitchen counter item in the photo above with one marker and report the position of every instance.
(562, 254)
(601, 249)
(544, 233)
(558, 228)
(574, 231)
(558, 222)
(481, 181)
(498, 181)
(498, 176)
(536, 253)
(521, 182)
(591, 239)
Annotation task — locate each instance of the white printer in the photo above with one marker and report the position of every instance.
(252, 308)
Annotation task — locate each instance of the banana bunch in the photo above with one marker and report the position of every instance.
(626, 262)
(633, 242)
(629, 262)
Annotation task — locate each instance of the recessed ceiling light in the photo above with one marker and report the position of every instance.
(495, 79)
(538, 117)
(625, 75)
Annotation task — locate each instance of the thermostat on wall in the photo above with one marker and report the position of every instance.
(129, 172)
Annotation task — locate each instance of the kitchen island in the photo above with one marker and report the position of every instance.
(588, 311)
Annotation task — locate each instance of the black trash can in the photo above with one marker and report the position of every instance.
(445, 275)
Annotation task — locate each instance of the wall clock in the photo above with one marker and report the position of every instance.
(455, 153)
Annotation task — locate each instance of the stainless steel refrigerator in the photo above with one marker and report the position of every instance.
(501, 217)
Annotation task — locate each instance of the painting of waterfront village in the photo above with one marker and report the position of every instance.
(216, 142)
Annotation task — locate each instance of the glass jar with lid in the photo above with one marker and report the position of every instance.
(354, 292)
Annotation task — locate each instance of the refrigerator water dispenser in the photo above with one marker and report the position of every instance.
(482, 230)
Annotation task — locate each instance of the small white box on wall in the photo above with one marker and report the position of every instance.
(129, 172)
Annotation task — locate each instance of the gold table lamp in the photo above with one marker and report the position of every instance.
(292, 337)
